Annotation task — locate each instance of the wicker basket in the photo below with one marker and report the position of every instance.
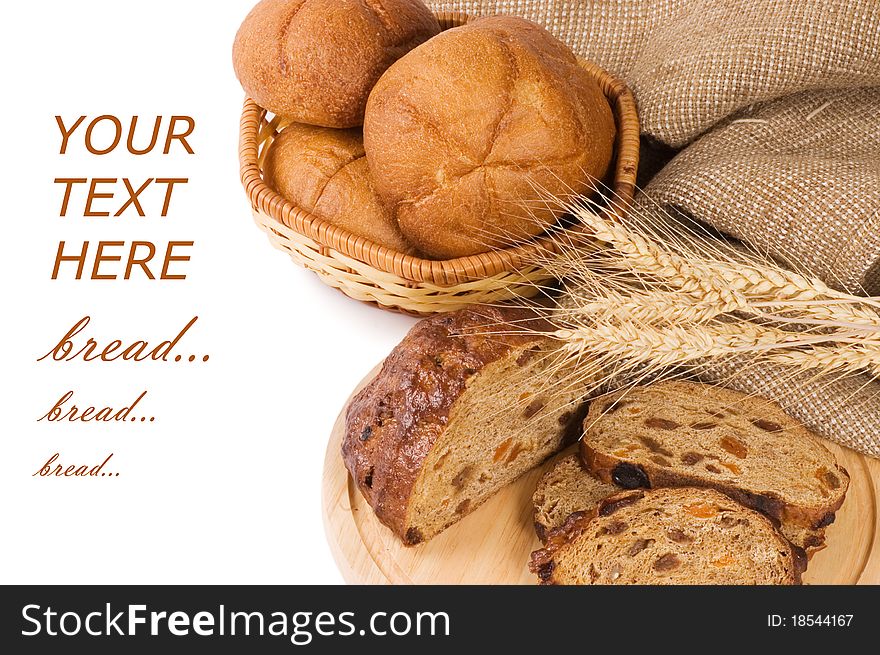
(392, 280)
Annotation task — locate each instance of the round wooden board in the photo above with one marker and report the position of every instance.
(492, 544)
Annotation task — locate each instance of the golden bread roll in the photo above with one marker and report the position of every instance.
(315, 61)
(324, 171)
(467, 133)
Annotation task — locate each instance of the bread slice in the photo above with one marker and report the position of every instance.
(567, 487)
(675, 434)
(465, 404)
(671, 536)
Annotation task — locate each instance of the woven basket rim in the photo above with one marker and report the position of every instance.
(436, 271)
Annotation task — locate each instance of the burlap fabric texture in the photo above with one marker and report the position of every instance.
(692, 63)
(775, 108)
(798, 177)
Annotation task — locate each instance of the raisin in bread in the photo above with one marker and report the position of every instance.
(674, 434)
(465, 404)
(686, 535)
(567, 487)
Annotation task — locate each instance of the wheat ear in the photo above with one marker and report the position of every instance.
(649, 299)
(733, 284)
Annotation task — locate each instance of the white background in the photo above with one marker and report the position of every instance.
(225, 485)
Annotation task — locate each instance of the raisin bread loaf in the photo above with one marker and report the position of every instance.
(674, 434)
(669, 536)
(567, 487)
(461, 407)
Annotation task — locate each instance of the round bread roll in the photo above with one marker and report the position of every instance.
(315, 61)
(468, 133)
(324, 171)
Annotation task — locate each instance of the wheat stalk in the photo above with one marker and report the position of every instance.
(831, 359)
(652, 298)
(731, 284)
(675, 345)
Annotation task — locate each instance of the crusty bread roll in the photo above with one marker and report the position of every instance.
(315, 61)
(466, 133)
(324, 171)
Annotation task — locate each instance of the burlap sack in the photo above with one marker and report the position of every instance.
(691, 63)
(773, 100)
(798, 178)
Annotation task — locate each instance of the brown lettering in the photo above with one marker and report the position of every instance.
(117, 134)
(175, 258)
(65, 133)
(133, 197)
(68, 182)
(101, 257)
(134, 260)
(130, 142)
(61, 257)
(191, 124)
(94, 195)
(91, 350)
(169, 182)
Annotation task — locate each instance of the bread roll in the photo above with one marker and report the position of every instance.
(466, 133)
(324, 171)
(315, 61)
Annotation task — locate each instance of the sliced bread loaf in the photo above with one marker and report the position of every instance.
(567, 487)
(668, 536)
(461, 407)
(674, 434)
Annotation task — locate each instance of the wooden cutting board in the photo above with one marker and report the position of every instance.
(492, 544)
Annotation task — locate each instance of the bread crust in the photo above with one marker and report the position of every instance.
(315, 61)
(631, 474)
(324, 171)
(392, 424)
(548, 496)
